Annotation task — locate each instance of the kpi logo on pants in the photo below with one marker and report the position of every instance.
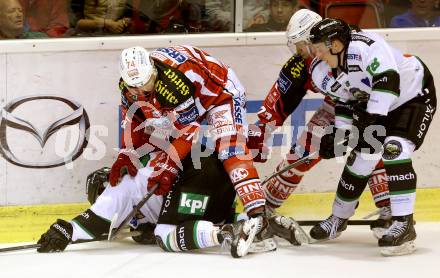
(191, 203)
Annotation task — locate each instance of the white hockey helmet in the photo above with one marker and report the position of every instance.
(299, 27)
(135, 66)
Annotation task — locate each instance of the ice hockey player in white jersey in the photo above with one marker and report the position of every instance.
(390, 102)
(286, 94)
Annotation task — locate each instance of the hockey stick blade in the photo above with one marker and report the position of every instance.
(36, 245)
(290, 166)
(127, 219)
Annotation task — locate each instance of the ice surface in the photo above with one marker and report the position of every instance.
(355, 254)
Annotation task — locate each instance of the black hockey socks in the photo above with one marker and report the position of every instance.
(92, 224)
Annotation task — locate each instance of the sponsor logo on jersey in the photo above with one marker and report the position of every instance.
(172, 86)
(173, 54)
(354, 68)
(238, 174)
(189, 116)
(352, 56)
(283, 83)
(238, 109)
(325, 82)
(295, 65)
(192, 203)
(403, 177)
(231, 152)
(335, 86)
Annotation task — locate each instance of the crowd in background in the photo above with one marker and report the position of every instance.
(73, 18)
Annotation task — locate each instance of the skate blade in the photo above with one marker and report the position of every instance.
(266, 245)
(378, 233)
(404, 249)
(324, 239)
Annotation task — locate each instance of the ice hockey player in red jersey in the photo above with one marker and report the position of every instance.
(166, 94)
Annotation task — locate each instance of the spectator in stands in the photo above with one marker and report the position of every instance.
(421, 14)
(280, 13)
(220, 14)
(46, 16)
(98, 17)
(165, 16)
(12, 21)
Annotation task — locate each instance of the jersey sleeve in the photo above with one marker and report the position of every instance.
(382, 67)
(286, 93)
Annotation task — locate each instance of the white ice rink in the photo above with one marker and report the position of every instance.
(355, 254)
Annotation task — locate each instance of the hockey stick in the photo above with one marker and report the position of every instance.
(305, 159)
(113, 232)
(36, 245)
(350, 222)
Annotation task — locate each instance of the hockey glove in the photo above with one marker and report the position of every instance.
(164, 173)
(362, 120)
(255, 142)
(56, 238)
(331, 146)
(127, 162)
(147, 236)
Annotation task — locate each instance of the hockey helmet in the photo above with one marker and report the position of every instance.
(135, 66)
(299, 27)
(330, 29)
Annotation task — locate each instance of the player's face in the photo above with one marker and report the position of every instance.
(147, 89)
(304, 49)
(322, 52)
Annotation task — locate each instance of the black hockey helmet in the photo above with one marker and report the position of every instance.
(330, 29)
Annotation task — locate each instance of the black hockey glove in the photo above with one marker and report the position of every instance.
(147, 233)
(363, 120)
(56, 238)
(331, 146)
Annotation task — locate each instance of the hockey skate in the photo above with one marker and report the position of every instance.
(399, 238)
(240, 235)
(330, 228)
(382, 223)
(288, 229)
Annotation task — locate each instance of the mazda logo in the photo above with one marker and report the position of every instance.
(8, 120)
